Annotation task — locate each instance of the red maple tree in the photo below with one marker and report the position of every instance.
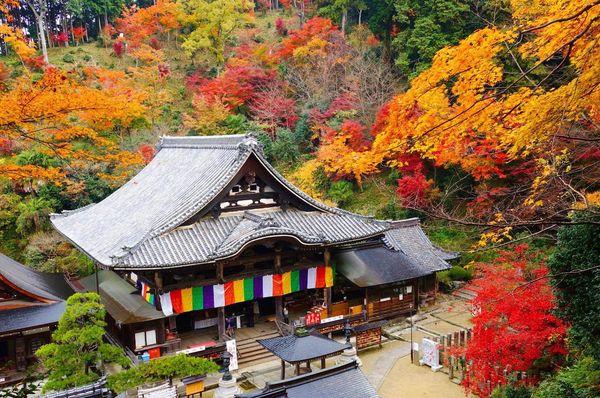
(514, 326)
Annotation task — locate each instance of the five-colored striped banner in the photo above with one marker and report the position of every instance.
(215, 296)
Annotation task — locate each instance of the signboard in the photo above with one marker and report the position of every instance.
(331, 319)
(431, 355)
(232, 349)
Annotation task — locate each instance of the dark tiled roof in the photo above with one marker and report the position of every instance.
(408, 237)
(123, 302)
(378, 265)
(44, 285)
(30, 317)
(294, 348)
(127, 228)
(342, 381)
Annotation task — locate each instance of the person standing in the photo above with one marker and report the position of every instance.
(286, 315)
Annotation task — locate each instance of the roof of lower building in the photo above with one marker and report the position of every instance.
(293, 348)
(139, 225)
(408, 237)
(31, 317)
(342, 381)
(122, 301)
(43, 286)
(378, 265)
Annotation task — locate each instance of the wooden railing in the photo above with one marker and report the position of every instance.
(283, 328)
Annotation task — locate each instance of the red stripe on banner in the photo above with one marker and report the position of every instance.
(320, 277)
(176, 301)
(277, 286)
(229, 293)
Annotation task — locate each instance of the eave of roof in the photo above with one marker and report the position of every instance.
(19, 319)
(340, 381)
(123, 302)
(42, 286)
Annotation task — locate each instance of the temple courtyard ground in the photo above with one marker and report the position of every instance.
(389, 369)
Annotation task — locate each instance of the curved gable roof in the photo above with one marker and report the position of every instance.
(186, 174)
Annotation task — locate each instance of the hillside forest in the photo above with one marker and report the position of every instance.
(481, 117)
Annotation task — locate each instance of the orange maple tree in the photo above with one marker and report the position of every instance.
(69, 122)
(513, 109)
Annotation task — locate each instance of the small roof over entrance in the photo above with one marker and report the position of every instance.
(295, 349)
(123, 302)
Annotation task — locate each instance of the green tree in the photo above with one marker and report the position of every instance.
(169, 367)
(77, 354)
(426, 26)
(577, 282)
(214, 22)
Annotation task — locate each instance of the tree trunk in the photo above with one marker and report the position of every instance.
(42, 37)
(72, 35)
(360, 17)
(344, 20)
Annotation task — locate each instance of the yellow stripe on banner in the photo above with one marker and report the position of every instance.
(238, 290)
(286, 282)
(187, 299)
(328, 277)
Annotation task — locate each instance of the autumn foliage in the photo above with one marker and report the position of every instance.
(46, 125)
(514, 328)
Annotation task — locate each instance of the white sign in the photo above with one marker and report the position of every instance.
(431, 355)
(408, 289)
(385, 299)
(415, 346)
(333, 318)
(400, 297)
(232, 349)
(192, 350)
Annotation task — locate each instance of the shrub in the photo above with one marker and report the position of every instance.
(68, 58)
(582, 380)
(458, 273)
(284, 148)
(340, 192)
(170, 367)
(511, 391)
(87, 57)
(119, 48)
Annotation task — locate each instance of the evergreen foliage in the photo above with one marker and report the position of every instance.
(77, 354)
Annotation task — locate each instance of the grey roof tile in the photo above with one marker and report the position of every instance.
(184, 176)
(294, 348)
(341, 381)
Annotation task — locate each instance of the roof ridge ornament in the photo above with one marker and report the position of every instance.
(250, 143)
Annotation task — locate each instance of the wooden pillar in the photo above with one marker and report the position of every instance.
(327, 290)
(221, 322)
(220, 272)
(367, 304)
(279, 308)
(282, 369)
(322, 362)
(298, 369)
(308, 365)
(158, 283)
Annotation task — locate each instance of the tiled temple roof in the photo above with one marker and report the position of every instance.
(141, 225)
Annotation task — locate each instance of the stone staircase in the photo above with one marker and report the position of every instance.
(250, 352)
(467, 292)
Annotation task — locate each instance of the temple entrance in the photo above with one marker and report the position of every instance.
(266, 306)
